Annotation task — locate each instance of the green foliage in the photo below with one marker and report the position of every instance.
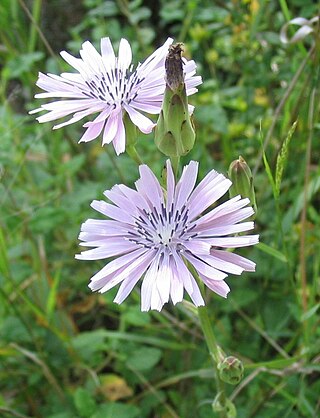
(282, 159)
(59, 344)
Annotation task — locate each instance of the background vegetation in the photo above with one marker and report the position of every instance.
(65, 352)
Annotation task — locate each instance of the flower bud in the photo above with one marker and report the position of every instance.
(231, 370)
(242, 181)
(174, 133)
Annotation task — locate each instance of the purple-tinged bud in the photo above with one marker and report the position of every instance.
(231, 370)
(174, 133)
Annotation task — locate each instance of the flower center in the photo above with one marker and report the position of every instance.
(114, 87)
(160, 229)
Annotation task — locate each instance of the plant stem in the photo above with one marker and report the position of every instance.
(175, 161)
(215, 355)
(133, 154)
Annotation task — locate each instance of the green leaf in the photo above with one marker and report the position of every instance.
(106, 9)
(21, 64)
(271, 251)
(158, 342)
(87, 344)
(134, 316)
(310, 312)
(84, 403)
(142, 13)
(273, 364)
(144, 358)
(52, 297)
(213, 116)
(46, 219)
(282, 159)
(73, 165)
(117, 410)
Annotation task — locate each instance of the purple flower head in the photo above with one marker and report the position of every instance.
(155, 234)
(108, 85)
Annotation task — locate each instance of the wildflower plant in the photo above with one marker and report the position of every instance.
(170, 233)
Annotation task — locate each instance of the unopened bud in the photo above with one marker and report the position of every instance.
(174, 133)
(242, 181)
(231, 370)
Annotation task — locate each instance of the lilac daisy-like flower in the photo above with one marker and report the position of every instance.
(108, 85)
(156, 234)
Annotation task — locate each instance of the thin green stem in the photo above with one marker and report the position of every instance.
(36, 11)
(215, 355)
(175, 162)
(41, 35)
(115, 165)
(215, 351)
(133, 154)
(208, 334)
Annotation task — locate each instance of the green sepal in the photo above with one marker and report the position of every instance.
(174, 133)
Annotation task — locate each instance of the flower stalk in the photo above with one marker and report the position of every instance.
(216, 357)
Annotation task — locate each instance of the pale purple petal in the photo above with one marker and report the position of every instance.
(126, 287)
(148, 283)
(114, 267)
(91, 57)
(220, 287)
(125, 55)
(106, 251)
(204, 268)
(136, 198)
(107, 53)
(149, 187)
(163, 279)
(142, 122)
(138, 266)
(176, 286)
(119, 141)
(197, 246)
(111, 128)
(235, 242)
(224, 230)
(229, 212)
(112, 211)
(92, 132)
(156, 59)
(195, 294)
(76, 63)
(205, 197)
(229, 257)
(121, 201)
(186, 183)
(103, 227)
(222, 265)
